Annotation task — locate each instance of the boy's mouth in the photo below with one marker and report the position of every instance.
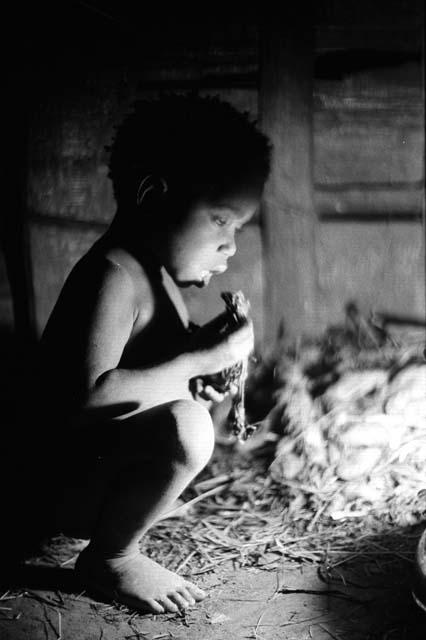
(207, 274)
(220, 269)
(217, 270)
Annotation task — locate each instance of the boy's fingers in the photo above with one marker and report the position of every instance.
(199, 386)
(233, 389)
(209, 393)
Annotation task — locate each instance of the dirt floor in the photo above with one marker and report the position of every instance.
(290, 601)
(270, 574)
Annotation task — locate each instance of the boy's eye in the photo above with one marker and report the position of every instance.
(219, 221)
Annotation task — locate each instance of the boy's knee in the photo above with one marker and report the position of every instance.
(194, 433)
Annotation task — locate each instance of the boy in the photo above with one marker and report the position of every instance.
(117, 353)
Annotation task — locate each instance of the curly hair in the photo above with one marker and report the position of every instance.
(202, 147)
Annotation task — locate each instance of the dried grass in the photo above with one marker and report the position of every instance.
(247, 518)
(253, 522)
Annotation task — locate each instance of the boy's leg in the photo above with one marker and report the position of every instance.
(158, 453)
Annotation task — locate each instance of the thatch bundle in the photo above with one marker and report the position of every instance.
(352, 428)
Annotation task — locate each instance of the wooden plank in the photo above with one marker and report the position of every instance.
(67, 157)
(364, 14)
(288, 215)
(369, 127)
(66, 224)
(355, 200)
(379, 266)
(334, 37)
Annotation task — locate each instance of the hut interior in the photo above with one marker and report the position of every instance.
(309, 528)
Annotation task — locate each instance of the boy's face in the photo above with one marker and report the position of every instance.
(203, 243)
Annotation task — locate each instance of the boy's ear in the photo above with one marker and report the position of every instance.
(149, 184)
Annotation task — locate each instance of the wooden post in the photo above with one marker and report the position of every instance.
(13, 224)
(285, 101)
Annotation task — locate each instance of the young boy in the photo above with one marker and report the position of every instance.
(118, 354)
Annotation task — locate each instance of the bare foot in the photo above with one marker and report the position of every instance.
(138, 582)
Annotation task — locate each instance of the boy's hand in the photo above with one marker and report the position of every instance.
(221, 347)
(206, 389)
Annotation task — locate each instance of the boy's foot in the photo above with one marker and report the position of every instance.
(138, 582)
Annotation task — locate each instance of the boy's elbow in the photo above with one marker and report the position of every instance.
(105, 378)
(105, 399)
(99, 389)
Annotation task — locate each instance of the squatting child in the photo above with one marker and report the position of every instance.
(118, 355)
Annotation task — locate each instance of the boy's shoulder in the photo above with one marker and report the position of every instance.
(120, 261)
(124, 270)
(113, 273)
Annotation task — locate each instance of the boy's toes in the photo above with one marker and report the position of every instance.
(195, 591)
(178, 599)
(187, 595)
(155, 606)
(168, 605)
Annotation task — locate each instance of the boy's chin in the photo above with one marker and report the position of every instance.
(184, 284)
(200, 283)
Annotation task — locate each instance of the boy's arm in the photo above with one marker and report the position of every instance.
(101, 380)
(104, 381)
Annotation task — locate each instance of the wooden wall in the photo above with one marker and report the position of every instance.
(368, 169)
(342, 213)
(69, 197)
(344, 206)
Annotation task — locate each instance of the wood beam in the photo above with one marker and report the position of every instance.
(285, 105)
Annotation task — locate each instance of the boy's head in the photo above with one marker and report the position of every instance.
(200, 147)
(203, 161)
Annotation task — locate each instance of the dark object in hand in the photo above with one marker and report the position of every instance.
(238, 311)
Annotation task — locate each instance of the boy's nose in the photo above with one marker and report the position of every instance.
(228, 247)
